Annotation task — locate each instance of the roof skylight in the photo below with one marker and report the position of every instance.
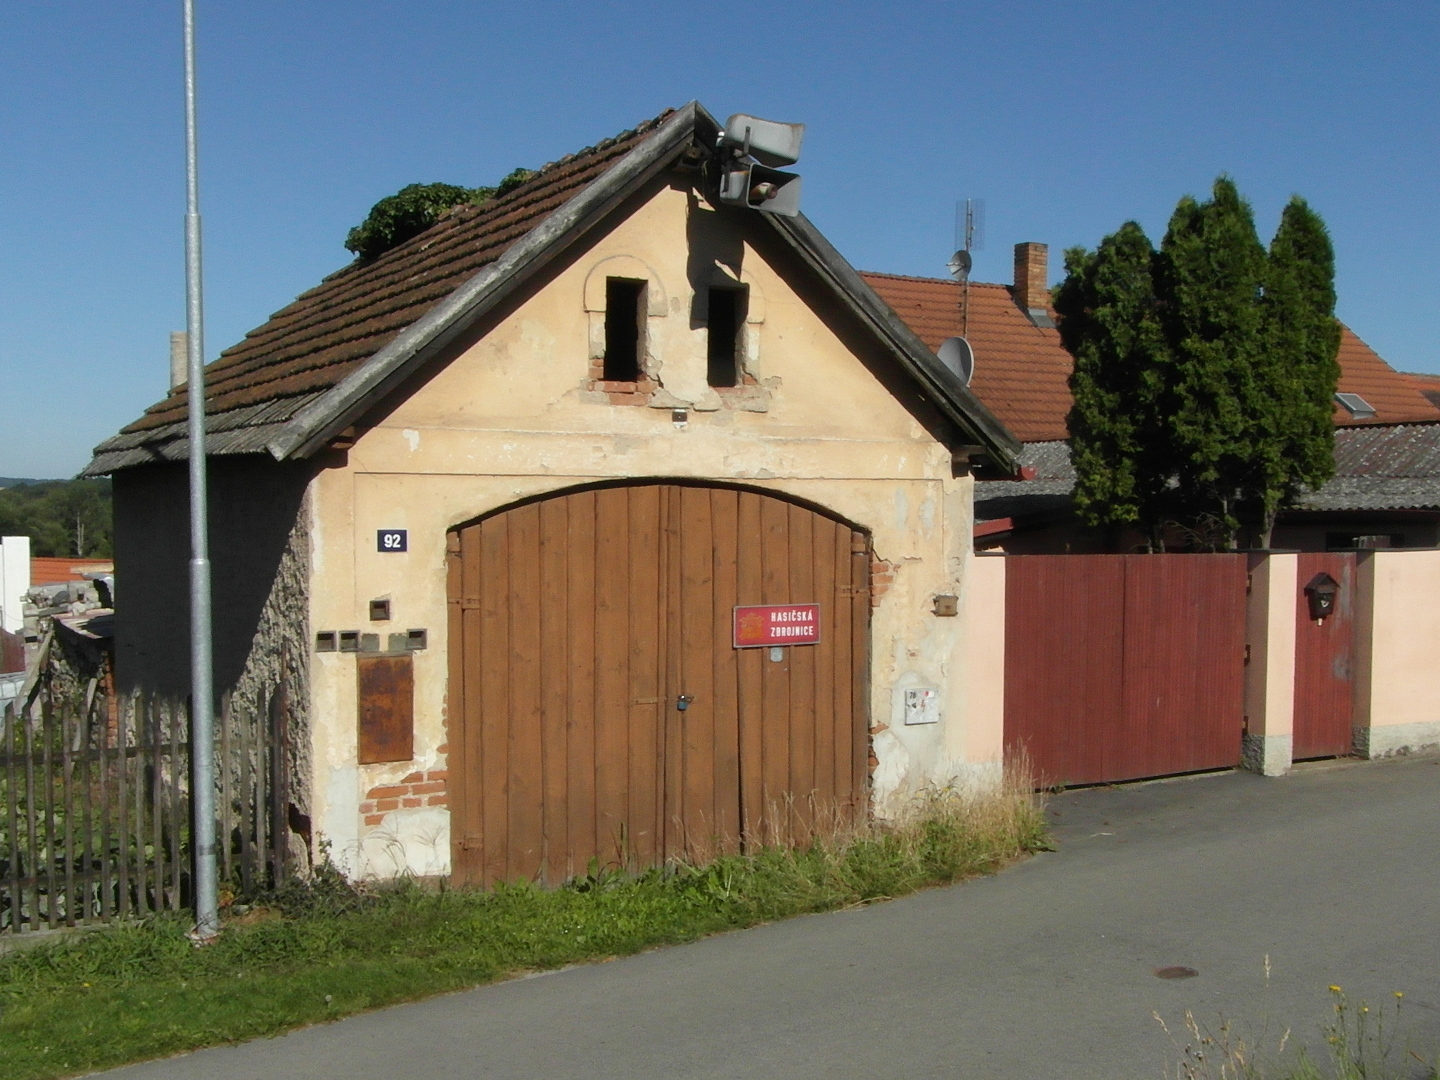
(1356, 406)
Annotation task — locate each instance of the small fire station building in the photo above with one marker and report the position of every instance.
(601, 522)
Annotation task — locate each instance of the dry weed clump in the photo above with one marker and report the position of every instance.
(1361, 1044)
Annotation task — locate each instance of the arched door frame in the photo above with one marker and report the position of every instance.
(580, 619)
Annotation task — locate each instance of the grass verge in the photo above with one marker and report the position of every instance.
(328, 950)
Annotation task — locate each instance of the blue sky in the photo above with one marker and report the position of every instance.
(1066, 118)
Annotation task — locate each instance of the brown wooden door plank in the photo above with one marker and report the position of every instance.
(696, 648)
(725, 709)
(556, 664)
(775, 675)
(646, 668)
(831, 721)
(494, 726)
(612, 672)
(802, 662)
(750, 665)
(581, 640)
(526, 763)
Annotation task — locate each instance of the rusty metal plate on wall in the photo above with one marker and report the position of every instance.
(387, 708)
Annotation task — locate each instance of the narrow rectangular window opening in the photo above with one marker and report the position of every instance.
(726, 321)
(624, 329)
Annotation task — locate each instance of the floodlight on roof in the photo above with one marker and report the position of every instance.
(750, 148)
(767, 141)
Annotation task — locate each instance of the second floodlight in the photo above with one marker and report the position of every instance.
(767, 141)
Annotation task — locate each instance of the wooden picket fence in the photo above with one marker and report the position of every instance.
(95, 806)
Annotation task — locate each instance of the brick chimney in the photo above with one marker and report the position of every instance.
(1032, 288)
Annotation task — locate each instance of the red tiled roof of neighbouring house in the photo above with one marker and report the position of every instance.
(1022, 371)
(46, 570)
(1393, 395)
(1427, 383)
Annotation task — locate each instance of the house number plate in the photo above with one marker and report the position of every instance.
(392, 540)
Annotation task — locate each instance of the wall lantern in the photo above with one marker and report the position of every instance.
(1321, 594)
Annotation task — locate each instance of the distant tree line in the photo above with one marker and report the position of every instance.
(1204, 374)
(63, 518)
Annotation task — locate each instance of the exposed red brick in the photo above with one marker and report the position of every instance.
(410, 803)
(437, 774)
(374, 819)
(388, 791)
(414, 777)
(438, 800)
(427, 789)
(388, 804)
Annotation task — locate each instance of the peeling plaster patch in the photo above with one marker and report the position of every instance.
(894, 764)
(413, 438)
(341, 826)
(902, 510)
(623, 444)
(408, 842)
(927, 514)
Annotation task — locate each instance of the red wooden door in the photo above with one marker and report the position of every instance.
(1324, 681)
(1124, 666)
(579, 621)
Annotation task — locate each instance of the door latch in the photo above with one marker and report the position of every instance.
(683, 702)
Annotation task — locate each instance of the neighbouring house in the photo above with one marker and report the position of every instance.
(497, 516)
(1386, 491)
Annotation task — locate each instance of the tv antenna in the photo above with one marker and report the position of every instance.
(956, 352)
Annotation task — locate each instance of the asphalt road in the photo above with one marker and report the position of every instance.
(1045, 970)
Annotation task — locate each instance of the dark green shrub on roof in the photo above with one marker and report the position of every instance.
(414, 208)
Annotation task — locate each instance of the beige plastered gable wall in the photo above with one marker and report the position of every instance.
(517, 414)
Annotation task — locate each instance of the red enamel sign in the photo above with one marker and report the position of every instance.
(777, 624)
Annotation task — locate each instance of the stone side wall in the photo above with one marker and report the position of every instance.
(278, 663)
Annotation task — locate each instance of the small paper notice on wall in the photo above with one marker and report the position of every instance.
(922, 706)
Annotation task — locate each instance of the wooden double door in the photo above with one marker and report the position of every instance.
(581, 622)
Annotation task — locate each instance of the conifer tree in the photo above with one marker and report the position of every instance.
(1109, 324)
(1209, 281)
(1301, 342)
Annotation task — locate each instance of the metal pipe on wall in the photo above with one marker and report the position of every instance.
(202, 707)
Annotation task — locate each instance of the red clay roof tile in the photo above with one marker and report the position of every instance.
(1022, 371)
(314, 342)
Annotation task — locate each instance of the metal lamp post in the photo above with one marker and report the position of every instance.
(202, 707)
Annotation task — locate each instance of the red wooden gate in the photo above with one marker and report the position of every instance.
(1124, 666)
(1323, 678)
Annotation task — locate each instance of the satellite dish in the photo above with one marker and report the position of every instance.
(960, 264)
(955, 353)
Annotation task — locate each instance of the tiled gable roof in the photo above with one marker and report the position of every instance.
(1394, 396)
(1427, 383)
(1022, 371)
(308, 347)
(321, 364)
